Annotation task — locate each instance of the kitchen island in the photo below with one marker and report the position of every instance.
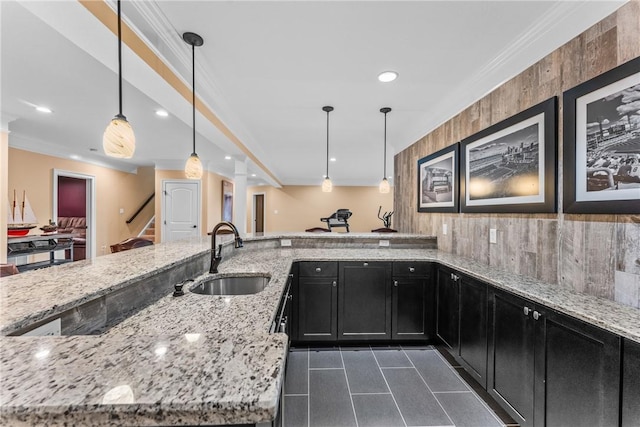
(197, 359)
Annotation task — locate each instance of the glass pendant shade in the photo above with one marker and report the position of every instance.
(193, 167)
(327, 186)
(384, 186)
(118, 139)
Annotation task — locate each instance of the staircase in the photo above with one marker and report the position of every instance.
(149, 232)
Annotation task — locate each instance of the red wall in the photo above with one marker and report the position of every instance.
(72, 196)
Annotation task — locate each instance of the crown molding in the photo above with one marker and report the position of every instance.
(513, 60)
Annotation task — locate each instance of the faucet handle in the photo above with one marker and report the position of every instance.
(239, 242)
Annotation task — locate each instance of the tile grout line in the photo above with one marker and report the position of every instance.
(429, 388)
(308, 388)
(471, 389)
(353, 407)
(387, 384)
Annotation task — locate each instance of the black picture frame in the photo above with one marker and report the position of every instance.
(438, 181)
(601, 146)
(510, 167)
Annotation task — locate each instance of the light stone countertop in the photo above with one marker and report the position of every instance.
(195, 358)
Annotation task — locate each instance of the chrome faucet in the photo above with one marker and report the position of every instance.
(216, 258)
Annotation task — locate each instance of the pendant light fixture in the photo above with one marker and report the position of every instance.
(118, 139)
(193, 167)
(327, 186)
(384, 186)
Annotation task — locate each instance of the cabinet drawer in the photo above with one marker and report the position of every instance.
(411, 268)
(318, 269)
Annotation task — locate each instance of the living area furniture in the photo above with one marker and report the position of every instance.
(36, 244)
(78, 226)
(130, 243)
(338, 219)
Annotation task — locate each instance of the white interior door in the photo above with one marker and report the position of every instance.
(181, 213)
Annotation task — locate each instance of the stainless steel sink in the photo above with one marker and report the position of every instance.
(231, 285)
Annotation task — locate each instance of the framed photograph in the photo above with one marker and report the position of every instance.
(227, 201)
(438, 181)
(601, 154)
(510, 167)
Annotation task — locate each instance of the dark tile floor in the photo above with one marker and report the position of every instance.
(378, 386)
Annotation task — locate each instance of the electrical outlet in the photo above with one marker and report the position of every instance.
(121, 211)
(384, 243)
(444, 229)
(285, 242)
(493, 235)
(104, 249)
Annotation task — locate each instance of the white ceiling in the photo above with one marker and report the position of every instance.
(266, 69)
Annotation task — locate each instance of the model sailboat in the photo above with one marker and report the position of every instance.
(21, 217)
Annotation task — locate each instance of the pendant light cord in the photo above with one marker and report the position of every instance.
(119, 61)
(327, 176)
(193, 92)
(384, 160)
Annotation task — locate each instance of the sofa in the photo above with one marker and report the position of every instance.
(77, 225)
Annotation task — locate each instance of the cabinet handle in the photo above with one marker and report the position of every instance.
(395, 283)
(318, 269)
(412, 270)
(526, 311)
(536, 315)
(453, 276)
(334, 283)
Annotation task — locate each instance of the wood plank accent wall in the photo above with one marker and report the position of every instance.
(594, 254)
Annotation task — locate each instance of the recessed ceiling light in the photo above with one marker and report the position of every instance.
(162, 113)
(333, 159)
(253, 175)
(43, 109)
(387, 76)
(227, 157)
(74, 157)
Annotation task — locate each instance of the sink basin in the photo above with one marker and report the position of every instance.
(231, 285)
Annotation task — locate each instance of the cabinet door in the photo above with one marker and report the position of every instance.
(447, 309)
(511, 356)
(577, 373)
(365, 301)
(631, 384)
(473, 328)
(410, 310)
(317, 309)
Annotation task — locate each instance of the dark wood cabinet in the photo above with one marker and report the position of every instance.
(577, 372)
(413, 302)
(364, 301)
(511, 356)
(317, 307)
(473, 328)
(630, 384)
(548, 369)
(447, 308)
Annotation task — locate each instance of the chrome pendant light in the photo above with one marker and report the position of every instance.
(193, 167)
(118, 139)
(327, 186)
(384, 186)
